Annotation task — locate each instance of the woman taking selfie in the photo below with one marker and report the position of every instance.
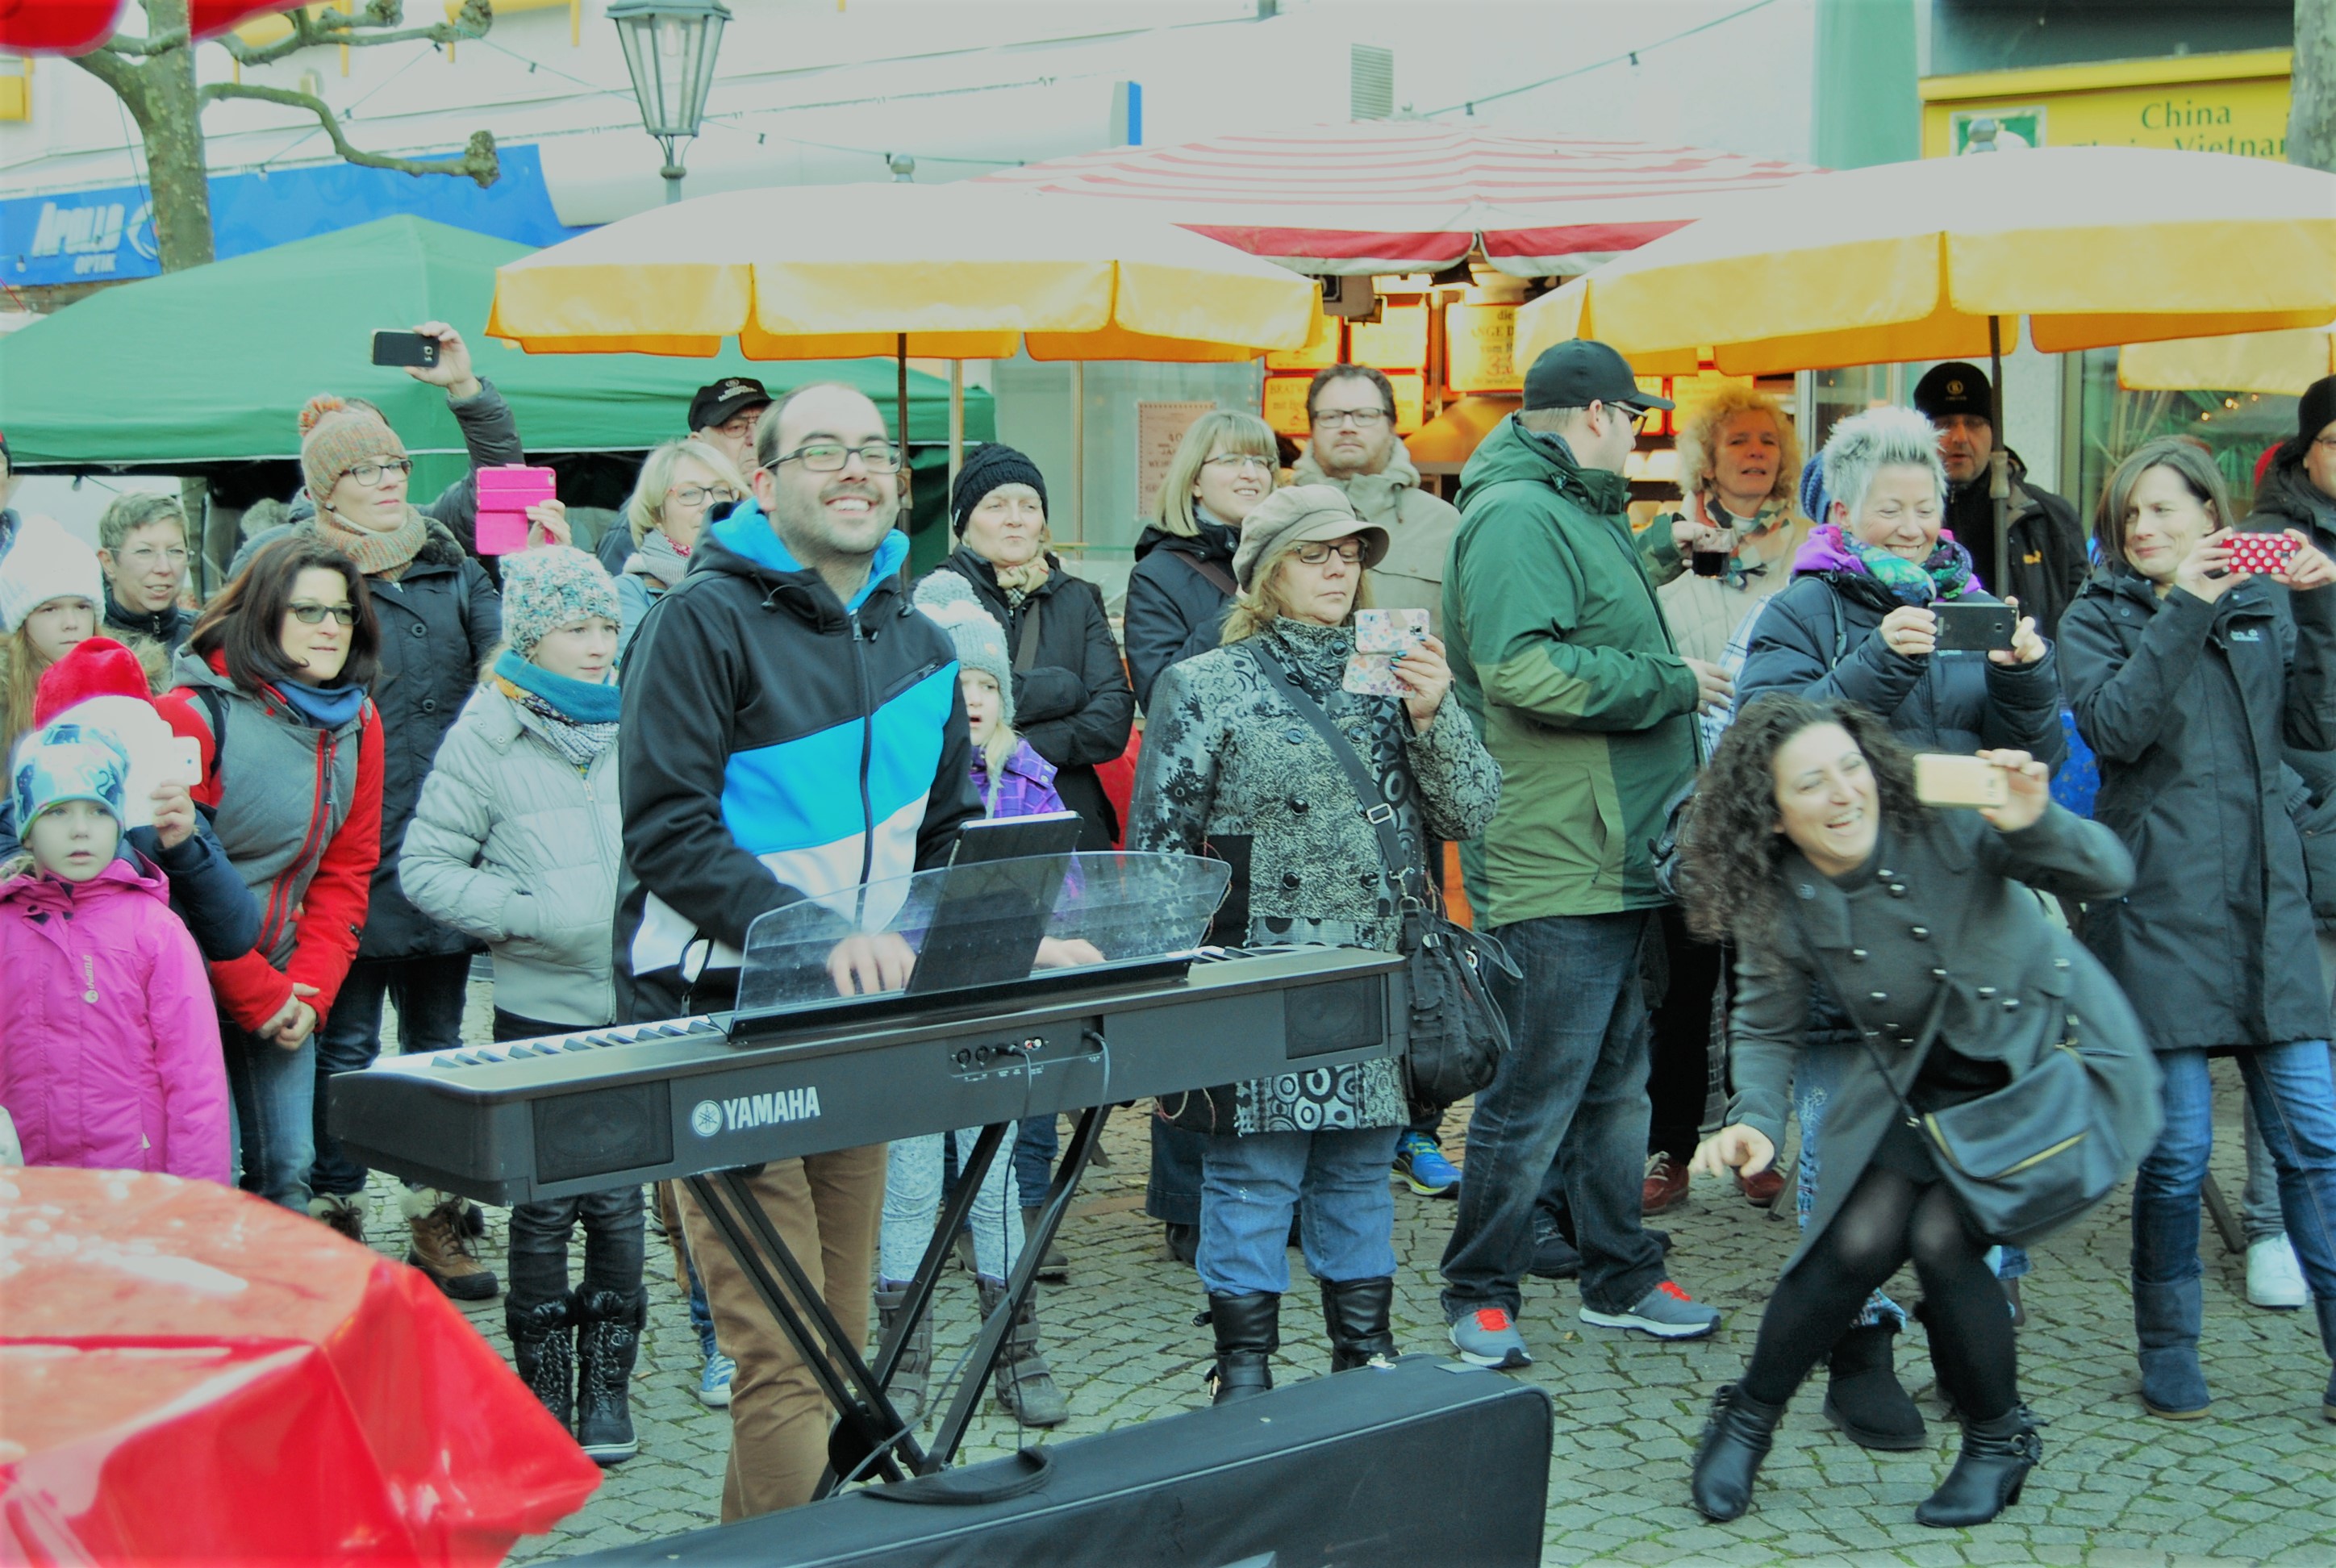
(1808, 848)
(2190, 668)
(1235, 757)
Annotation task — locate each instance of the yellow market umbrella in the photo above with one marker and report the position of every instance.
(2282, 362)
(2095, 246)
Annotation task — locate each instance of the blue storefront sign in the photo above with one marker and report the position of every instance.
(83, 236)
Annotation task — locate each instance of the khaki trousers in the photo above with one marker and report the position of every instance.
(827, 1208)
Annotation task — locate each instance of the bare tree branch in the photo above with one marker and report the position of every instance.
(377, 26)
(478, 162)
(116, 72)
(123, 43)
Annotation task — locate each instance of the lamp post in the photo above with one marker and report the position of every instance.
(669, 48)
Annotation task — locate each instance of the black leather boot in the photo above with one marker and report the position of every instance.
(913, 1371)
(1865, 1399)
(544, 1349)
(1989, 1473)
(1249, 1331)
(1356, 1312)
(1728, 1457)
(607, 1341)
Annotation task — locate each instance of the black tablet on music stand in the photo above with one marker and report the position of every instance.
(996, 898)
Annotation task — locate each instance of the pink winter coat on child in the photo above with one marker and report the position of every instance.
(109, 1043)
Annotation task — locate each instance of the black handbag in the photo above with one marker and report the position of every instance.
(2027, 1158)
(1458, 1033)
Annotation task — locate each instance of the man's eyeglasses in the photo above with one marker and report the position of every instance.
(1359, 418)
(700, 494)
(309, 614)
(371, 474)
(1239, 462)
(831, 456)
(1349, 551)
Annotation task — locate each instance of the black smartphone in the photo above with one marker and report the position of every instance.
(404, 349)
(1975, 628)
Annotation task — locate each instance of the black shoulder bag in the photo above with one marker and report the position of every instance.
(1458, 1033)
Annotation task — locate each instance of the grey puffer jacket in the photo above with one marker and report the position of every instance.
(511, 844)
(2288, 499)
(2191, 707)
(1229, 768)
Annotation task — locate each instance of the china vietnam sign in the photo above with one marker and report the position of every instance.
(2234, 104)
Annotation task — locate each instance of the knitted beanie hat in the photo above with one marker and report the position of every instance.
(336, 436)
(985, 468)
(981, 640)
(46, 563)
(552, 586)
(2315, 411)
(68, 762)
(1813, 503)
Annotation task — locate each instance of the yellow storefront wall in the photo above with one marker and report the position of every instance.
(2233, 104)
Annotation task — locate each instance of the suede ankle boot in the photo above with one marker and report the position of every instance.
(2166, 1320)
(1989, 1473)
(1024, 1383)
(1249, 1331)
(913, 1371)
(1356, 1312)
(1728, 1457)
(1865, 1399)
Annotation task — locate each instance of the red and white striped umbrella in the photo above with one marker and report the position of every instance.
(1382, 196)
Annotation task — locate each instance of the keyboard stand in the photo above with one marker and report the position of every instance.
(869, 1438)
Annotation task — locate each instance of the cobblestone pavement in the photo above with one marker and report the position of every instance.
(2256, 1483)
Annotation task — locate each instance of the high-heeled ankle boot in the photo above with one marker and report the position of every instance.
(1865, 1399)
(1728, 1457)
(1249, 1331)
(1988, 1474)
(1356, 1312)
(2166, 1320)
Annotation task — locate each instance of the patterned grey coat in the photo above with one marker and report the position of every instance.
(1227, 767)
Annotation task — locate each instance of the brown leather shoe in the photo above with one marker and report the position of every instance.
(1665, 1186)
(442, 1251)
(1761, 1191)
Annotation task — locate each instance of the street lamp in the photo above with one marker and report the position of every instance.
(669, 48)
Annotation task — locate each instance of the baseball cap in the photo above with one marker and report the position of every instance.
(718, 403)
(1582, 370)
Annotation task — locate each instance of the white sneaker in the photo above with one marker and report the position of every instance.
(2273, 1277)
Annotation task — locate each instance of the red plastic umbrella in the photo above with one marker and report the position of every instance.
(188, 1372)
(1387, 196)
(73, 26)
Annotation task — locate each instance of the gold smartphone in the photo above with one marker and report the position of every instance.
(1942, 779)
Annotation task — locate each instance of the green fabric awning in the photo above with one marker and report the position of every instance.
(211, 365)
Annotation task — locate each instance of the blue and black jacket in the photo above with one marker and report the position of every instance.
(777, 745)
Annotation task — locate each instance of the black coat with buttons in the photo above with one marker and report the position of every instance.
(1945, 909)
(2190, 708)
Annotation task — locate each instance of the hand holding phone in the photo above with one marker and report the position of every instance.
(1942, 779)
(2260, 554)
(407, 350)
(1978, 628)
(505, 494)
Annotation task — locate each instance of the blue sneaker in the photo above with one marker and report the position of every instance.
(1424, 1168)
(1488, 1336)
(1666, 1312)
(713, 1382)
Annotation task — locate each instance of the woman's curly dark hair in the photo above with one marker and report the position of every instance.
(1729, 847)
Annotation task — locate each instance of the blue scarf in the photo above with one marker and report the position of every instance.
(321, 706)
(577, 701)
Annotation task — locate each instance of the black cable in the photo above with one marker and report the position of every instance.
(1630, 54)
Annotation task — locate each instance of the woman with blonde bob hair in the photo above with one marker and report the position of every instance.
(1226, 464)
(679, 486)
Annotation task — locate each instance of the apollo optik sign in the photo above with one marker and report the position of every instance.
(2234, 103)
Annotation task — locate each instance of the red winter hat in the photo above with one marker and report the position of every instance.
(95, 667)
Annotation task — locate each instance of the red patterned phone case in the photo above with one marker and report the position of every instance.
(2260, 554)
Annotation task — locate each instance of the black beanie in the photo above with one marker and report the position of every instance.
(1953, 387)
(986, 467)
(2315, 410)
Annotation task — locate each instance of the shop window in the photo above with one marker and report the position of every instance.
(2237, 427)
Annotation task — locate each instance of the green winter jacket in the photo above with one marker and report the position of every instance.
(1562, 657)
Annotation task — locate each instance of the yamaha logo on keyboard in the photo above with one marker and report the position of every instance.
(708, 1117)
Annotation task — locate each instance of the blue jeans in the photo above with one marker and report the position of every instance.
(1035, 1143)
(2294, 1098)
(429, 991)
(271, 1119)
(1174, 1192)
(912, 1203)
(1574, 1080)
(1335, 1183)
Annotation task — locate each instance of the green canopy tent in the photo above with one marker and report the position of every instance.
(205, 371)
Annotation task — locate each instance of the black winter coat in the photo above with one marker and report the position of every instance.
(1821, 638)
(1172, 611)
(2188, 706)
(2288, 499)
(2048, 563)
(1072, 703)
(167, 626)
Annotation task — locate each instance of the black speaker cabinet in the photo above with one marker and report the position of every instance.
(1424, 1462)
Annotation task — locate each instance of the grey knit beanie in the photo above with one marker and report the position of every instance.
(980, 641)
(552, 586)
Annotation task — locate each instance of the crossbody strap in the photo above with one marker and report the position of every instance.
(1213, 571)
(1394, 869)
(1026, 651)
